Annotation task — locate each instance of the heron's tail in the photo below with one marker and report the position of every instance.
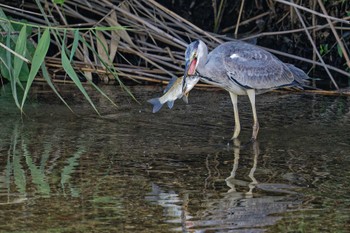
(301, 79)
(157, 105)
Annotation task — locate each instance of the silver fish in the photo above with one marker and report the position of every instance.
(174, 91)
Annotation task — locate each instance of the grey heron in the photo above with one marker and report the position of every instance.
(241, 69)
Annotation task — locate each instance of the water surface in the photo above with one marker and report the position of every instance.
(177, 170)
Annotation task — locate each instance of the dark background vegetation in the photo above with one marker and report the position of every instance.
(258, 18)
(278, 18)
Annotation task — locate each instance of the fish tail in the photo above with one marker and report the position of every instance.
(170, 104)
(157, 105)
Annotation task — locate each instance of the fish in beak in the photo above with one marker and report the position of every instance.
(174, 91)
(190, 69)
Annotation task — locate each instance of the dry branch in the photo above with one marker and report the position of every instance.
(151, 47)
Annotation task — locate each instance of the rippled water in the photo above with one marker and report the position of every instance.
(177, 170)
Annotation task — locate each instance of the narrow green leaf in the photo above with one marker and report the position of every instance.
(9, 66)
(75, 44)
(38, 59)
(73, 75)
(340, 52)
(110, 28)
(21, 50)
(60, 2)
(5, 25)
(102, 93)
(110, 69)
(5, 71)
(47, 78)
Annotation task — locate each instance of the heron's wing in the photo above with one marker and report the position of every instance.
(252, 67)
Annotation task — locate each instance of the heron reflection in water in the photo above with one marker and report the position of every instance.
(241, 69)
(252, 201)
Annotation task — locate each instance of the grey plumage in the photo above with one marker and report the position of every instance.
(247, 66)
(241, 69)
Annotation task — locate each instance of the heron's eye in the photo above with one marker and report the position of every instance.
(194, 54)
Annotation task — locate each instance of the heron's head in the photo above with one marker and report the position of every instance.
(195, 54)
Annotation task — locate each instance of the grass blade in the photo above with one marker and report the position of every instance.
(111, 69)
(38, 59)
(102, 46)
(47, 78)
(102, 93)
(73, 75)
(10, 69)
(21, 50)
(75, 44)
(5, 25)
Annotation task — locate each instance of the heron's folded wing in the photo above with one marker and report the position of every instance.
(256, 68)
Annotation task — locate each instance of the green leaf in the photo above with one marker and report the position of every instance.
(102, 93)
(340, 51)
(75, 44)
(109, 28)
(73, 75)
(10, 69)
(21, 50)
(61, 2)
(38, 59)
(5, 25)
(111, 69)
(47, 78)
(4, 68)
(324, 49)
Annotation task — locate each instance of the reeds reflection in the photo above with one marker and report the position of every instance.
(31, 163)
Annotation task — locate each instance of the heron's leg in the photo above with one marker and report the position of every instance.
(235, 111)
(251, 95)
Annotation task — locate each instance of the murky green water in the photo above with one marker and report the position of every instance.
(175, 171)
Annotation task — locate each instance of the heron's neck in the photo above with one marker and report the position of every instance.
(201, 67)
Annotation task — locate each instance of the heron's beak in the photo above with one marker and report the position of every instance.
(187, 66)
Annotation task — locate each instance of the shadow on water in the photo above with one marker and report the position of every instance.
(134, 171)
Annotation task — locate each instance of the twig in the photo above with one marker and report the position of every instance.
(296, 6)
(315, 48)
(314, 37)
(340, 43)
(246, 21)
(156, 36)
(157, 5)
(14, 53)
(308, 61)
(239, 17)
